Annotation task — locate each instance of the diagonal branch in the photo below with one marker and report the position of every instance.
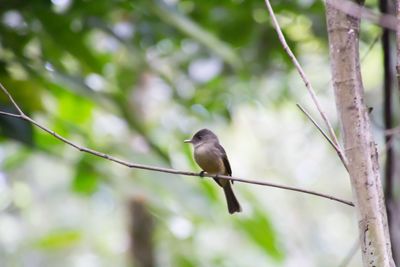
(22, 116)
(306, 82)
(337, 149)
(10, 114)
(353, 250)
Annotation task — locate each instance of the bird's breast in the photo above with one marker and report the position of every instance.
(209, 159)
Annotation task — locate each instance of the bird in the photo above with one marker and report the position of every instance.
(212, 159)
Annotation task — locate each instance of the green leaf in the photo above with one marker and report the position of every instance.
(16, 159)
(209, 187)
(59, 239)
(86, 178)
(183, 261)
(260, 230)
(47, 141)
(68, 111)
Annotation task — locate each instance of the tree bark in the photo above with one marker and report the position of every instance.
(360, 150)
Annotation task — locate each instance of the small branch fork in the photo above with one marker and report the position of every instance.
(332, 140)
(338, 151)
(23, 116)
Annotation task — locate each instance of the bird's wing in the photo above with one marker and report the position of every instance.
(225, 160)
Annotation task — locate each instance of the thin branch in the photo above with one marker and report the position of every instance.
(305, 79)
(369, 49)
(393, 131)
(10, 114)
(159, 169)
(353, 250)
(291, 188)
(325, 135)
(11, 99)
(318, 127)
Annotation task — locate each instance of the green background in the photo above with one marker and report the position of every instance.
(133, 79)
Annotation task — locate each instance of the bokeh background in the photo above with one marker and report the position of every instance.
(134, 79)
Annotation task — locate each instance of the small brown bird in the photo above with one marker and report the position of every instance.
(212, 158)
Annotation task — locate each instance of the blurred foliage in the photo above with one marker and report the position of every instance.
(59, 239)
(133, 79)
(267, 240)
(86, 177)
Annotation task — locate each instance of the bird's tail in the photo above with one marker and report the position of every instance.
(233, 203)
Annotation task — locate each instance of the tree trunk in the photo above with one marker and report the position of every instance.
(398, 42)
(386, 7)
(141, 234)
(343, 31)
(394, 205)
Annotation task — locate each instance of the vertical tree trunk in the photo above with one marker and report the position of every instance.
(343, 31)
(386, 7)
(398, 42)
(395, 204)
(141, 234)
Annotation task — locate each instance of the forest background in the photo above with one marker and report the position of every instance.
(134, 79)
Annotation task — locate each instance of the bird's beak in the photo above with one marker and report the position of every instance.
(188, 141)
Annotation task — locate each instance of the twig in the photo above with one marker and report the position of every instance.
(369, 49)
(353, 250)
(393, 131)
(318, 127)
(325, 135)
(10, 114)
(305, 79)
(22, 116)
(11, 99)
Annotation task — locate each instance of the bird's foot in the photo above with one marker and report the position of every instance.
(201, 174)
